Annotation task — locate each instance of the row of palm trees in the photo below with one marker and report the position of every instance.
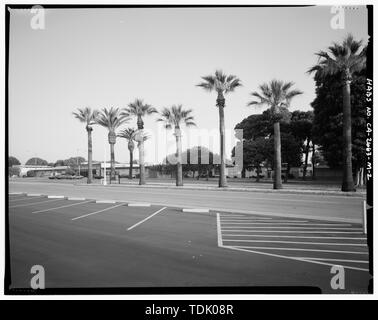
(345, 58)
(113, 118)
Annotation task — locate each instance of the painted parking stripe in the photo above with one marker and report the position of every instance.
(286, 223)
(220, 242)
(145, 219)
(301, 249)
(69, 205)
(34, 195)
(294, 228)
(33, 203)
(15, 193)
(76, 199)
(261, 221)
(298, 242)
(285, 231)
(92, 213)
(23, 199)
(294, 258)
(55, 197)
(342, 260)
(302, 237)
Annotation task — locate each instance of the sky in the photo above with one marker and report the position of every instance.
(103, 58)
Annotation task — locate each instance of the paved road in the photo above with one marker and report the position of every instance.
(91, 245)
(332, 208)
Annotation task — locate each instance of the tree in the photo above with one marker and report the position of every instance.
(59, 163)
(276, 94)
(291, 152)
(139, 109)
(222, 84)
(255, 153)
(36, 162)
(111, 119)
(12, 161)
(175, 117)
(328, 123)
(89, 117)
(346, 59)
(129, 135)
(301, 128)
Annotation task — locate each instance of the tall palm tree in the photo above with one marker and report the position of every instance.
(89, 117)
(345, 59)
(129, 135)
(276, 95)
(139, 109)
(175, 117)
(222, 84)
(111, 119)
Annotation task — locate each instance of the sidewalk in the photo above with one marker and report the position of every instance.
(252, 187)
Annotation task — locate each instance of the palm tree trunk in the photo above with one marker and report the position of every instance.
(306, 159)
(131, 164)
(313, 162)
(277, 183)
(179, 181)
(112, 162)
(89, 180)
(348, 184)
(142, 179)
(222, 173)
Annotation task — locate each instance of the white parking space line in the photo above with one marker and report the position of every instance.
(33, 203)
(298, 242)
(294, 228)
(34, 194)
(23, 199)
(284, 223)
(261, 221)
(294, 258)
(220, 242)
(342, 260)
(55, 197)
(301, 249)
(15, 193)
(145, 219)
(92, 213)
(76, 199)
(280, 231)
(301, 237)
(69, 205)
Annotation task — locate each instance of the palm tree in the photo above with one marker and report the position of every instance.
(129, 135)
(276, 95)
(139, 109)
(111, 119)
(345, 59)
(174, 117)
(222, 84)
(89, 117)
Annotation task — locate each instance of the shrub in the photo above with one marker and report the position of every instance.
(30, 174)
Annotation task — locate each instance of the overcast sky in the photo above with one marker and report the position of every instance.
(108, 57)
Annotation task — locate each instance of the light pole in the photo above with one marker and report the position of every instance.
(105, 164)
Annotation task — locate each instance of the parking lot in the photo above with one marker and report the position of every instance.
(84, 243)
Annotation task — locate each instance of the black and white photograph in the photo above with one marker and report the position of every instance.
(188, 149)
